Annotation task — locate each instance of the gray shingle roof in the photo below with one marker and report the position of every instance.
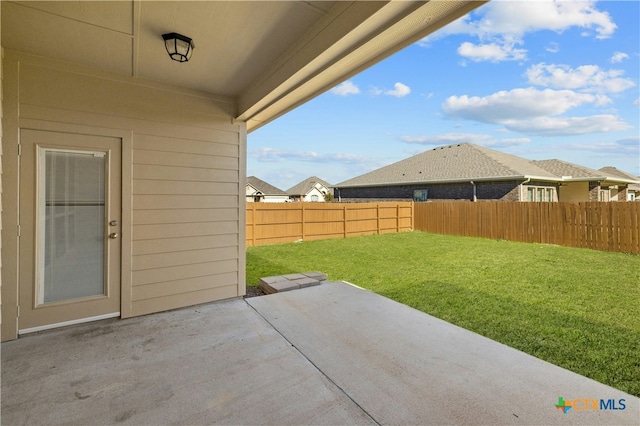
(264, 187)
(563, 168)
(460, 162)
(575, 171)
(304, 187)
(612, 171)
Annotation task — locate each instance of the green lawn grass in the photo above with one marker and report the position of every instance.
(575, 308)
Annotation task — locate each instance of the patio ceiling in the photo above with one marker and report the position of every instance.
(266, 56)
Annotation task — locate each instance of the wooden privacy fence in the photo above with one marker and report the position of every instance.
(599, 226)
(269, 223)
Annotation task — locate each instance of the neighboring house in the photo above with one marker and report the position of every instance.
(455, 172)
(631, 192)
(581, 183)
(259, 191)
(468, 172)
(99, 123)
(312, 189)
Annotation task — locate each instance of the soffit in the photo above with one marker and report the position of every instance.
(268, 56)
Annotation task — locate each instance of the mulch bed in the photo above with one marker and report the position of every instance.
(253, 292)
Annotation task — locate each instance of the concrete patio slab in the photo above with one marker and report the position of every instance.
(328, 354)
(217, 363)
(402, 366)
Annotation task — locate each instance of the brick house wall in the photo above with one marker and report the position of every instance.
(503, 191)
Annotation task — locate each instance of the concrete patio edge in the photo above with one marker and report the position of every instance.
(406, 367)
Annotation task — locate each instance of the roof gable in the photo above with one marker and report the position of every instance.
(307, 185)
(612, 171)
(569, 171)
(264, 187)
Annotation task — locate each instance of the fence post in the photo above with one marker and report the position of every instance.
(303, 222)
(378, 218)
(253, 224)
(413, 215)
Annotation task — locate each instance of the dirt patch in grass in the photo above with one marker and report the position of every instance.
(253, 292)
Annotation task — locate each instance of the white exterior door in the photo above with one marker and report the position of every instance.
(69, 212)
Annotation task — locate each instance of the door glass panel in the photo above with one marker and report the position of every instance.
(71, 237)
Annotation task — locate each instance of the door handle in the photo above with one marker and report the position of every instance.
(113, 235)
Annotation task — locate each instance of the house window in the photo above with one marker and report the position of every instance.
(420, 195)
(539, 193)
(314, 198)
(631, 196)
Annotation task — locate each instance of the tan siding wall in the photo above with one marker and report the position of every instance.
(182, 171)
(177, 211)
(574, 192)
(1, 107)
(9, 197)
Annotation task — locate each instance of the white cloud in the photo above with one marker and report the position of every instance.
(553, 47)
(534, 112)
(446, 139)
(399, 90)
(565, 126)
(493, 52)
(345, 88)
(589, 78)
(619, 57)
(266, 154)
(501, 25)
(516, 18)
(455, 138)
(514, 104)
(503, 143)
(628, 146)
(636, 102)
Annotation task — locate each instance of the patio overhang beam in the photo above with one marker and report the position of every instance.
(296, 78)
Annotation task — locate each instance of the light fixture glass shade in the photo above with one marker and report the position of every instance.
(179, 47)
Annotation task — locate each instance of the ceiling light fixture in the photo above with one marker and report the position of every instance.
(179, 47)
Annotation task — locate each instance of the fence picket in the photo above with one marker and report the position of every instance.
(613, 226)
(595, 225)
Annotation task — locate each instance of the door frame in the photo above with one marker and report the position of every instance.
(10, 285)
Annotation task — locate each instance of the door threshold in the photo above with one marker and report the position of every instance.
(67, 323)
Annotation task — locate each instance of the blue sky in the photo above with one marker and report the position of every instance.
(539, 80)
